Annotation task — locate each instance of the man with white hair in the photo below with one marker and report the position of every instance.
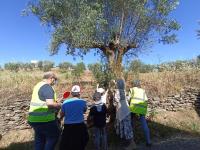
(42, 113)
(75, 135)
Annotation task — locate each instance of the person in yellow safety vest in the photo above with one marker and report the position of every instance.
(42, 113)
(138, 107)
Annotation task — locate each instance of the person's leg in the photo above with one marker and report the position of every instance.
(39, 138)
(104, 139)
(145, 129)
(62, 144)
(96, 133)
(52, 134)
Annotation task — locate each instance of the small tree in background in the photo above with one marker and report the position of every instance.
(27, 66)
(47, 65)
(78, 70)
(12, 66)
(65, 65)
(100, 73)
(40, 65)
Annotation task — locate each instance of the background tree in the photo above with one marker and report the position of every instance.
(47, 65)
(100, 73)
(12, 66)
(140, 67)
(113, 28)
(40, 65)
(78, 70)
(65, 65)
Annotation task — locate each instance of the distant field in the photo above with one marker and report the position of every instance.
(160, 84)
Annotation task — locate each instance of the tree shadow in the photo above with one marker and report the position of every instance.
(197, 104)
(20, 146)
(158, 131)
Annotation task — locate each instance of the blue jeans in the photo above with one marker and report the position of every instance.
(46, 135)
(144, 127)
(100, 138)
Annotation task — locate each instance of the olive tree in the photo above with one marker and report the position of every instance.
(115, 29)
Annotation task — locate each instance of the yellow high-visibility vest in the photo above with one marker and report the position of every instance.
(39, 111)
(138, 102)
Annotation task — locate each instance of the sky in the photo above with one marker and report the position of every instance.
(24, 38)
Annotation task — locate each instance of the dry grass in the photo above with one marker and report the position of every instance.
(156, 84)
(167, 83)
(184, 120)
(13, 85)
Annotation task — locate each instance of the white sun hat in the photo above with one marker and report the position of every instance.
(76, 89)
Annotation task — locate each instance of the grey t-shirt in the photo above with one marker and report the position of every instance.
(46, 92)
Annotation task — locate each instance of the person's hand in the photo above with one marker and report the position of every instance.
(58, 105)
(60, 100)
(97, 85)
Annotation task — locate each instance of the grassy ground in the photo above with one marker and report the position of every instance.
(162, 124)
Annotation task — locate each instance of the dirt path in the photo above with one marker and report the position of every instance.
(175, 144)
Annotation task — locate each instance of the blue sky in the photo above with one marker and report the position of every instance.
(24, 38)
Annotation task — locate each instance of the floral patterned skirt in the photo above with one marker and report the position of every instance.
(124, 128)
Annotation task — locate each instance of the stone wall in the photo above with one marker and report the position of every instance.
(13, 114)
(186, 99)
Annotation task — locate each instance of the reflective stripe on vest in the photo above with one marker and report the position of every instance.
(138, 103)
(39, 111)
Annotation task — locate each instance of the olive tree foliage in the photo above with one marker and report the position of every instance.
(111, 28)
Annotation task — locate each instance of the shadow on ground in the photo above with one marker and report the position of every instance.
(197, 104)
(20, 146)
(159, 132)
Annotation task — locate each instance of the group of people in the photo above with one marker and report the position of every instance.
(44, 107)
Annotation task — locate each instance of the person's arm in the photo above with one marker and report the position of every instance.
(85, 108)
(104, 97)
(90, 118)
(116, 96)
(61, 114)
(60, 100)
(51, 104)
(47, 93)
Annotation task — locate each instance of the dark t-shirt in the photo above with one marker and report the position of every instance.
(98, 114)
(46, 92)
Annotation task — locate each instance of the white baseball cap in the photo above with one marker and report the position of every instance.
(100, 90)
(76, 89)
